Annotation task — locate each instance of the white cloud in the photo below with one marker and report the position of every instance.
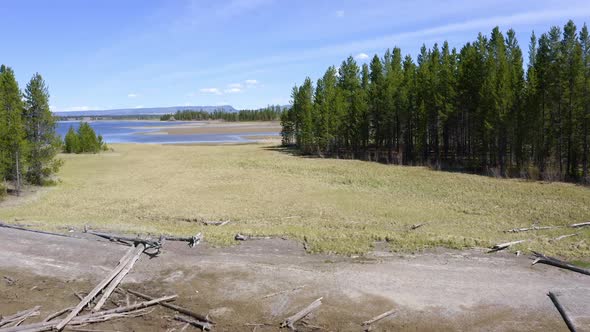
(139, 106)
(361, 56)
(235, 85)
(214, 91)
(232, 90)
(251, 82)
(340, 13)
(132, 95)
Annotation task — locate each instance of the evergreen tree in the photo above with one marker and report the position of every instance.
(12, 140)
(39, 124)
(474, 110)
(72, 141)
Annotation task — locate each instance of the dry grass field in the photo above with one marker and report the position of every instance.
(338, 206)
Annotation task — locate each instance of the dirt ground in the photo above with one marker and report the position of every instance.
(441, 290)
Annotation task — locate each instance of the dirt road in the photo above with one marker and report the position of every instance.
(433, 291)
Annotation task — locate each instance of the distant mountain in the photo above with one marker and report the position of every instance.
(146, 111)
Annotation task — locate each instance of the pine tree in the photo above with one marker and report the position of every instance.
(585, 48)
(72, 141)
(12, 141)
(39, 124)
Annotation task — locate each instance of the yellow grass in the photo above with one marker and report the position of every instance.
(340, 206)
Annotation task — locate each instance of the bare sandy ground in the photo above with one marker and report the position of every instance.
(216, 127)
(435, 291)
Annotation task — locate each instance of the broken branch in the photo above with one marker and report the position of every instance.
(558, 263)
(117, 280)
(378, 318)
(562, 312)
(174, 307)
(289, 322)
(503, 246)
(202, 325)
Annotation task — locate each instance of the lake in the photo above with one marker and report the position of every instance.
(151, 132)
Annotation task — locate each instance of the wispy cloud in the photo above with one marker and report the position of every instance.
(340, 13)
(132, 95)
(214, 91)
(251, 82)
(139, 106)
(235, 85)
(232, 90)
(361, 56)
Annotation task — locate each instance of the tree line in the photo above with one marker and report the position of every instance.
(83, 140)
(28, 141)
(478, 109)
(269, 113)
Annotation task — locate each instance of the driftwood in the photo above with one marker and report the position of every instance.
(202, 325)
(282, 292)
(57, 314)
(134, 310)
(289, 322)
(532, 228)
(540, 258)
(16, 319)
(562, 312)
(580, 225)
(215, 223)
(564, 236)
(377, 318)
(192, 240)
(241, 237)
(125, 239)
(174, 307)
(19, 317)
(94, 292)
(33, 230)
(413, 227)
(117, 280)
(503, 246)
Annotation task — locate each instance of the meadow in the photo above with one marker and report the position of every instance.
(334, 206)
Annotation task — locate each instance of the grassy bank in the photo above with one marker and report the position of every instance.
(340, 206)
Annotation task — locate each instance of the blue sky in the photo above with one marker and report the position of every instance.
(103, 54)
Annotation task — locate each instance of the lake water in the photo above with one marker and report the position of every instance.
(133, 132)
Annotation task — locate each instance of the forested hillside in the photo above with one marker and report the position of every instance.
(476, 109)
(28, 142)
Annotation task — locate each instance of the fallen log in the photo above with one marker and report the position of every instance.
(117, 280)
(413, 227)
(57, 314)
(118, 238)
(93, 317)
(215, 223)
(93, 293)
(192, 240)
(533, 228)
(19, 315)
(34, 230)
(378, 318)
(562, 312)
(503, 246)
(202, 325)
(580, 225)
(540, 258)
(241, 237)
(289, 322)
(564, 236)
(174, 307)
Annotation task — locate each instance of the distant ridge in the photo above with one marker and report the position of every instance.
(146, 111)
